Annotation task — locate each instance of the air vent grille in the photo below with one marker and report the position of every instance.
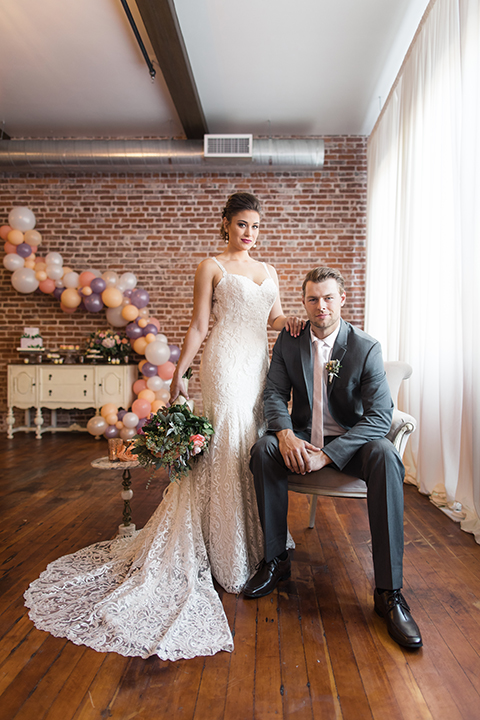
(228, 145)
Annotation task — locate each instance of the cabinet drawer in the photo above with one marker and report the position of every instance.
(68, 394)
(67, 384)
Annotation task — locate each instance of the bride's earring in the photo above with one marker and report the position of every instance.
(226, 238)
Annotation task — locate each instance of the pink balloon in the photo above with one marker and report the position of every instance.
(141, 407)
(166, 370)
(154, 321)
(4, 230)
(86, 278)
(47, 286)
(66, 309)
(9, 248)
(139, 385)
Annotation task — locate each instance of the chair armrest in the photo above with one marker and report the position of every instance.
(402, 426)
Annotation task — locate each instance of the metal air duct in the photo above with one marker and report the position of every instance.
(66, 156)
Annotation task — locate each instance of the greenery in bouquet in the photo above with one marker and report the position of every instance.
(171, 438)
(108, 344)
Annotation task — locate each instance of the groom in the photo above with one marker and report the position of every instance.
(341, 413)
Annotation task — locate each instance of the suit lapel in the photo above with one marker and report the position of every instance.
(339, 350)
(307, 362)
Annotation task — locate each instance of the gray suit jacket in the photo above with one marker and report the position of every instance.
(359, 399)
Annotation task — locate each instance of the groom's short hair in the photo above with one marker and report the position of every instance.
(320, 274)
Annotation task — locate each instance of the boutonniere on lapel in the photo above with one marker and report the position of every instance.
(333, 369)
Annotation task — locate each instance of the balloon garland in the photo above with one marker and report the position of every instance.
(126, 307)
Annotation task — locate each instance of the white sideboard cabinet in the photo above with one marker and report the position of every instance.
(67, 387)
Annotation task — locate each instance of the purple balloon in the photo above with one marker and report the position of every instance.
(24, 250)
(139, 298)
(150, 328)
(111, 432)
(57, 293)
(140, 425)
(149, 370)
(98, 285)
(127, 293)
(133, 331)
(121, 413)
(93, 303)
(174, 353)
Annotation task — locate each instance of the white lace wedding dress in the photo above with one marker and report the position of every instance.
(152, 593)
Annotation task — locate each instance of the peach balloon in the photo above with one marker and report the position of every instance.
(112, 297)
(130, 312)
(4, 230)
(142, 323)
(144, 312)
(141, 364)
(66, 270)
(15, 237)
(47, 286)
(108, 409)
(156, 405)
(41, 275)
(86, 278)
(40, 264)
(150, 337)
(139, 345)
(9, 248)
(141, 407)
(139, 385)
(86, 291)
(166, 370)
(70, 298)
(33, 237)
(30, 264)
(111, 418)
(147, 395)
(163, 395)
(119, 425)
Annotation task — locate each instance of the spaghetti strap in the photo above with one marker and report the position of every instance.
(220, 266)
(267, 270)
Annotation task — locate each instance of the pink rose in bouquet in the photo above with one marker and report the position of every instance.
(198, 443)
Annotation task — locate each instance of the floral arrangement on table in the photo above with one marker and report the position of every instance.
(171, 438)
(107, 345)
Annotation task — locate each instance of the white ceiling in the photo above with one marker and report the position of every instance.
(72, 68)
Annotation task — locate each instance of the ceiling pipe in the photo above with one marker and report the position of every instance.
(65, 156)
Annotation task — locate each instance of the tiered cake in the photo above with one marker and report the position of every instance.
(31, 339)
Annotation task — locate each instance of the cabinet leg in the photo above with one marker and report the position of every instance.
(38, 423)
(10, 423)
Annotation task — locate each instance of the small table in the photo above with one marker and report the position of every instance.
(103, 463)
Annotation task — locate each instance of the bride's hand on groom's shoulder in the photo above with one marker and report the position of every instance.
(294, 325)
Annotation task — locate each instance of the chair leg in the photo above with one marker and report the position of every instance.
(313, 507)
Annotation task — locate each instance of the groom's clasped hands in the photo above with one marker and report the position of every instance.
(299, 455)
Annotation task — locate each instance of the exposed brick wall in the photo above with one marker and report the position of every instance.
(161, 226)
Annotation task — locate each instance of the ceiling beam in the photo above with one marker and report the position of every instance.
(161, 23)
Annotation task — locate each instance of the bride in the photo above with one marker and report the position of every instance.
(152, 593)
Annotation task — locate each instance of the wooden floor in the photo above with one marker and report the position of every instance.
(313, 649)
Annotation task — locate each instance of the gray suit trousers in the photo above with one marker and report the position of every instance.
(378, 463)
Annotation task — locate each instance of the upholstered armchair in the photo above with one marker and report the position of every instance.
(329, 481)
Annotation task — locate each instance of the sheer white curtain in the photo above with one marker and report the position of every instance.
(423, 262)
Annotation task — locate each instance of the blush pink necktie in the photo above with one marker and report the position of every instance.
(317, 406)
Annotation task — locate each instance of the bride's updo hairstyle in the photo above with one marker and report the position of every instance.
(236, 203)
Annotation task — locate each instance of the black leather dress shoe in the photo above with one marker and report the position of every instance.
(267, 577)
(401, 626)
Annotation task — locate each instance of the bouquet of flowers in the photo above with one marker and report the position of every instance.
(108, 344)
(171, 438)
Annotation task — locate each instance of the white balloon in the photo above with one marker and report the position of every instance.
(71, 280)
(54, 272)
(121, 286)
(127, 433)
(129, 279)
(13, 262)
(155, 383)
(54, 258)
(157, 353)
(21, 218)
(130, 420)
(163, 395)
(110, 277)
(59, 283)
(97, 273)
(24, 280)
(114, 317)
(160, 337)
